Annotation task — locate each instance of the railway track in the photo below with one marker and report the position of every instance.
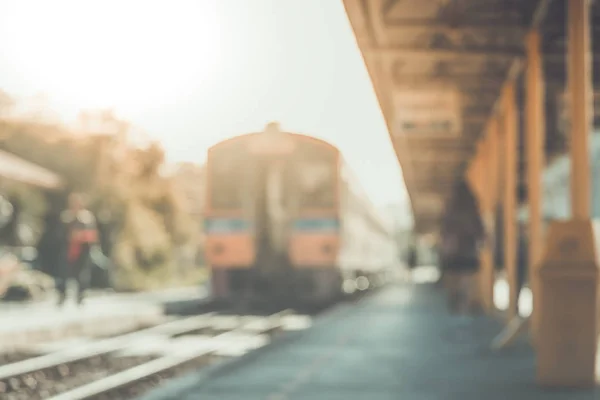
(132, 363)
(128, 365)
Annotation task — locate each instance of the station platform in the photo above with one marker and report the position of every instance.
(399, 343)
(23, 324)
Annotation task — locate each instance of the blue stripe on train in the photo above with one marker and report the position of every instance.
(226, 225)
(316, 225)
(237, 225)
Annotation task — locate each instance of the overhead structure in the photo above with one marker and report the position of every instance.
(440, 69)
(17, 169)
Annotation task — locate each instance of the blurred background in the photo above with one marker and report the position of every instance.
(121, 101)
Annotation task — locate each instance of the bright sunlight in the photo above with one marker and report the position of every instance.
(190, 73)
(103, 59)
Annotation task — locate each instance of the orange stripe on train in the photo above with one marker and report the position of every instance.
(230, 250)
(314, 249)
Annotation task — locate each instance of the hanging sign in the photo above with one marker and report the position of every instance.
(427, 111)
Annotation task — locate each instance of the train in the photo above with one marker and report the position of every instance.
(286, 221)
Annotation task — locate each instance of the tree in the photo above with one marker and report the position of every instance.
(139, 210)
(7, 104)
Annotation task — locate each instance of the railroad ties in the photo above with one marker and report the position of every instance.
(130, 364)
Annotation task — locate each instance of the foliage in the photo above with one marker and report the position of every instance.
(139, 210)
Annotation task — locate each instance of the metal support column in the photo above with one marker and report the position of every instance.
(535, 144)
(510, 126)
(569, 304)
(487, 277)
(580, 99)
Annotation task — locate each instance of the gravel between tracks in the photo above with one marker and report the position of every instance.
(52, 381)
(16, 356)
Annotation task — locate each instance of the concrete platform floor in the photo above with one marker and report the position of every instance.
(399, 343)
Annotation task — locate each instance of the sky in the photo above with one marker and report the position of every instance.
(194, 72)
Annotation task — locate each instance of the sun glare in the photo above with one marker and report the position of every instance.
(126, 54)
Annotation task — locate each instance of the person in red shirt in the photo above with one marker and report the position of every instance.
(81, 234)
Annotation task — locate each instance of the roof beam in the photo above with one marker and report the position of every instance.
(478, 99)
(430, 22)
(484, 94)
(472, 119)
(559, 30)
(461, 80)
(430, 186)
(561, 57)
(434, 172)
(436, 156)
(437, 167)
(434, 176)
(425, 53)
(439, 155)
(435, 27)
(467, 132)
(517, 64)
(426, 161)
(434, 145)
(477, 109)
(476, 27)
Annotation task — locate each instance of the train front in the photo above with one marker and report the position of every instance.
(271, 218)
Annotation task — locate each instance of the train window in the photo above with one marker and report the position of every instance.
(226, 182)
(317, 185)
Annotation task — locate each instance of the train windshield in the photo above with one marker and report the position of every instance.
(317, 184)
(227, 177)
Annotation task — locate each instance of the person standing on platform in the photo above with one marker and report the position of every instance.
(51, 245)
(462, 235)
(522, 261)
(412, 257)
(81, 235)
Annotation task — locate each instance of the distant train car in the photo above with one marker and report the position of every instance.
(285, 220)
